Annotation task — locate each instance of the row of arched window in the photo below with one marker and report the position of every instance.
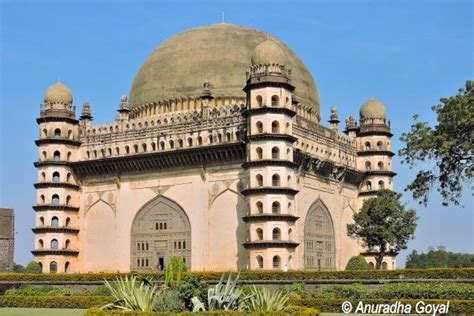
(55, 222)
(275, 101)
(57, 134)
(55, 177)
(275, 127)
(324, 152)
(275, 153)
(55, 199)
(162, 145)
(276, 233)
(56, 155)
(378, 146)
(381, 185)
(368, 165)
(276, 262)
(53, 266)
(276, 207)
(54, 244)
(276, 181)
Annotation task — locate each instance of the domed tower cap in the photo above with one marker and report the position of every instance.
(372, 109)
(268, 52)
(58, 93)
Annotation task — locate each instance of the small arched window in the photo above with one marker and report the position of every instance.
(67, 243)
(380, 165)
(199, 140)
(259, 101)
(45, 132)
(55, 222)
(290, 207)
(57, 133)
(67, 222)
(228, 137)
(127, 149)
(259, 232)
(44, 155)
(276, 234)
(290, 233)
(276, 262)
(171, 142)
(275, 127)
(55, 176)
(69, 134)
(368, 166)
(381, 185)
(276, 180)
(69, 154)
(276, 207)
(144, 148)
(190, 142)
(259, 127)
(259, 153)
(135, 148)
(259, 178)
(55, 199)
(259, 207)
(68, 199)
(384, 265)
(54, 244)
(288, 180)
(41, 243)
(53, 267)
(260, 262)
(369, 186)
(57, 155)
(275, 153)
(153, 146)
(180, 143)
(117, 151)
(162, 145)
(42, 198)
(66, 266)
(275, 100)
(367, 146)
(43, 176)
(41, 221)
(379, 145)
(211, 139)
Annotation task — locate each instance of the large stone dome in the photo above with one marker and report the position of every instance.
(218, 53)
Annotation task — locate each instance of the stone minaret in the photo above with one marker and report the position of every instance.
(57, 201)
(271, 186)
(374, 148)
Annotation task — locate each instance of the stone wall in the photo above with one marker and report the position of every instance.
(6, 239)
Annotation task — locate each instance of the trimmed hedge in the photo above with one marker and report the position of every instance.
(298, 310)
(75, 302)
(465, 307)
(447, 290)
(464, 273)
(357, 263)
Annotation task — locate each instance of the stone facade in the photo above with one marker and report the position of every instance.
(7, 239)
(227, 182)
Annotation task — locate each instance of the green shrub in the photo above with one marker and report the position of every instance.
(18, 268)
(357, 263)
(33, 267)
(448, 291)
(133, 294)
(33, 290)
(174, 271)
(264, 300)
(295, 290)
(349, 291)
(76, 302)
(192, 286)
(296, 310)
(169, 300)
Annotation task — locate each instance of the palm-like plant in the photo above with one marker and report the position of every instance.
(173, 272)
(264, 300)
(132, 294)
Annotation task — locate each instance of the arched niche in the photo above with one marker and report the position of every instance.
(160, 230)
(319, 238)
(99, 240)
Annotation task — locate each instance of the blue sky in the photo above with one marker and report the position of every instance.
(407, 54)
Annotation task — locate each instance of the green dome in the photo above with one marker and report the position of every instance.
(218, 53)
(372, 109)
(58, 93)
(269, 53)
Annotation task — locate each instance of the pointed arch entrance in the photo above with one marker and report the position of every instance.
(319, 239)
(160, 230)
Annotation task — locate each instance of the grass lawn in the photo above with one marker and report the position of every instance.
(40, 312)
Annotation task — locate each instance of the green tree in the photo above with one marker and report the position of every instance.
(383, 225)
(18, 268)
(33, 267)
(439, 258)
(357, 263)
(449, 145)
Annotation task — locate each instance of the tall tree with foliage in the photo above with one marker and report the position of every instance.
(449, 145)
(383, 225)
(439, 258)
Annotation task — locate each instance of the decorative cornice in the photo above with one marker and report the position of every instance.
(67, 230)
(375, 153)
(46, 119)
(61, 141)
(380, 173)
(267, 136)
(50, 207)
(262, 244)
(368, 193)
(159, 161)
(42, 185)
(374, 253)
(55, 252)
(269, 190)
(270, 217)
(47, 163)
(269, 109)
(269, 162)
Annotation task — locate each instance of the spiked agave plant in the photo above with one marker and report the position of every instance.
(132, 294)
(222, 297)
(264, 300)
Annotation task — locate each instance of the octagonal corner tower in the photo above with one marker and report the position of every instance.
(219, 54)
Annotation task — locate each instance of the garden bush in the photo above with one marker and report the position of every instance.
(169, 300)
(49, 290)
(349, 291)
(357, 263)
(464, 273)
(296, 310)
(192, 286)
(33, 267)
(461, 291)
(76, 302)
